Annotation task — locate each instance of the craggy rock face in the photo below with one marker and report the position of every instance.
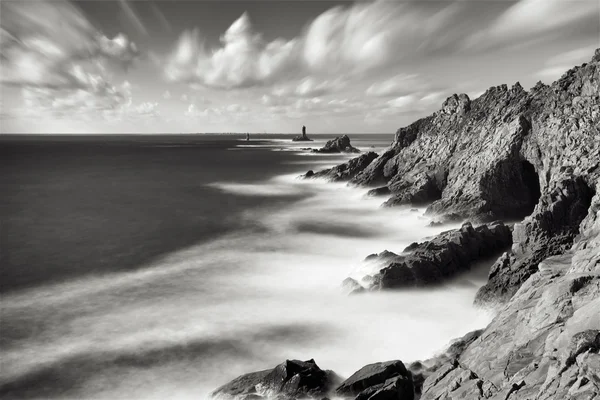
(292, 379)
(384, 380)
(544, 343)
(505, 155)
(443, 257)
(340, 144)
(346, 171)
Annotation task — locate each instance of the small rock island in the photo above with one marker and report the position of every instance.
(340, 144)
(303, 137)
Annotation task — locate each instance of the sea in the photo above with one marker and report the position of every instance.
(163, 266)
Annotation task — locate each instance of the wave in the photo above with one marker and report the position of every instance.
(194, 319)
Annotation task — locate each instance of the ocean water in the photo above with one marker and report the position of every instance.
(165, 266)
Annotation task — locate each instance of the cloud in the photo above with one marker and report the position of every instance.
(161, 18)
(529, 20)
(343, 40)
(243, 60)
(43, 41)
(62, 63)
(224, 112)
(401, 84)
(132, 16)
(416, 103)
(556, 66)
(166, 95)
(147, 109)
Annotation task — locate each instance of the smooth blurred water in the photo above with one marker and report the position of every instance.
(164, 267)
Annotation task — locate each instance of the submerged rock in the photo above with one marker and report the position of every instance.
(340, 144)
(290, 380)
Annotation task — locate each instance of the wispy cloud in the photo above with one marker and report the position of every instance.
(133, 17)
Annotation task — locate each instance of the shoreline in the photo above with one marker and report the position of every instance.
(544, 341)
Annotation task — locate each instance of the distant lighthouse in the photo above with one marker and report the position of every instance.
(303, 137)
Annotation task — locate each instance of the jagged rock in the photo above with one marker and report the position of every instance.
(421, 370)
(385, 255)
(379, 381)
(550, 230)
(397, 388)
(346, 171)
(544, 342)
(340, 144)
(374, 174)
(303, 137)
(444, 256)
(501, 156)
(290, 380)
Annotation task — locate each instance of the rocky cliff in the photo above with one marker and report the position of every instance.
(510, 154)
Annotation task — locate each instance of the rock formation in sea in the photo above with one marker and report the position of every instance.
(345, 171)
(340, 144)
(443, 257)
(533, 157)
(303, 137)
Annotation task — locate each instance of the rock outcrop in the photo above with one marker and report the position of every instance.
(378, 381)
(506, 155)
(543, 344)
(345, 171)
(340, 144)
(443, 257)
(292, 379)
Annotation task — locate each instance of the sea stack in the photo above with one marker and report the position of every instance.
(303, 137)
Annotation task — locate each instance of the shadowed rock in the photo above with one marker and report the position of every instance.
(290, 380)
(504, 155)
(340, 144)
(443, 257)
(384, 380)
(346, 171)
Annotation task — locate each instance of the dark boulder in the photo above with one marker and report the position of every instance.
(290, 380)
(444, 256)
(377, 377)
(340, 144)
(380, 191)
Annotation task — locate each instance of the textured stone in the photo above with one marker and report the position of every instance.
(443, 257)
(340, 144)
(290, 380)
(371, 375)
(345, 171)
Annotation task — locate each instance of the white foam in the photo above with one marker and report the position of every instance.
(271, 294)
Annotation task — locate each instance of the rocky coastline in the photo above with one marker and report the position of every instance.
(509, 155)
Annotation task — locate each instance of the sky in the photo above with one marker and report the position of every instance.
(272, 66)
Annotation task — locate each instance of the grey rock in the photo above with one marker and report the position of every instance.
(290, 380)
(443, 257)
(372, 375)
(345, 171)
(340, 144)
